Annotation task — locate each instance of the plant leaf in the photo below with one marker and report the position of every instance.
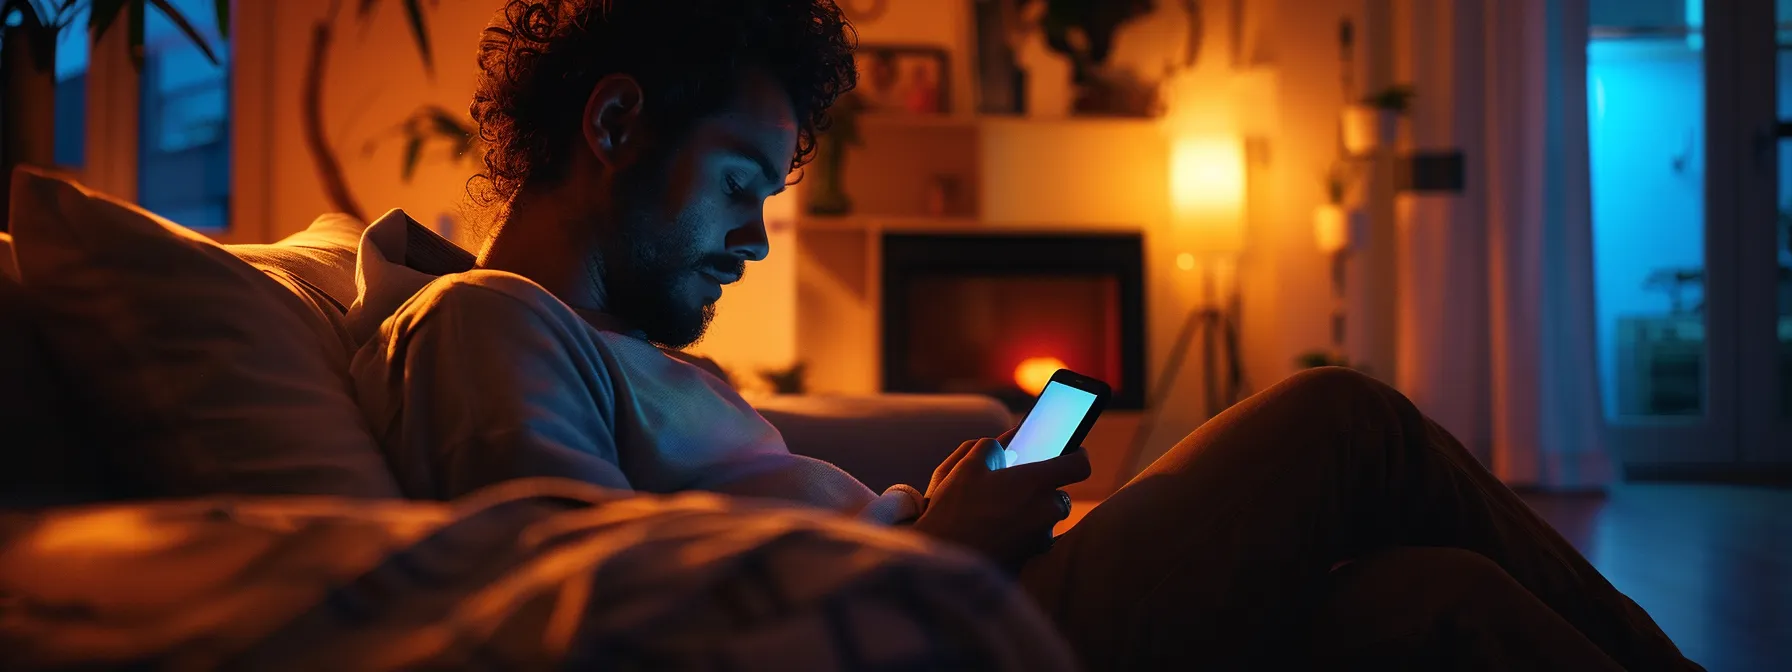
(222, 9)
(28, 13)
(136, 18)
(180, 21)
(41, 36)
(101, 14)
(446, 123)
(64, 15)
(413, 10)
(413, 151)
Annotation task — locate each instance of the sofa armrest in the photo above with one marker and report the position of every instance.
(884, 439)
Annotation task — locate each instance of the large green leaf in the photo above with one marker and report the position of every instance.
(136, 19)
(101, 15)
(180, 21)
(29, 14)
(40, 29)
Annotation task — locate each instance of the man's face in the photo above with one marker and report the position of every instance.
(690, 216)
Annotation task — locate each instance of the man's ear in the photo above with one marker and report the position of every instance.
(612, 121)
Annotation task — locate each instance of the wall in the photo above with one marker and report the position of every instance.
(375, 80)
(1271, 75)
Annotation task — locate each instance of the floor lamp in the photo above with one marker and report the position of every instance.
(1207, 198)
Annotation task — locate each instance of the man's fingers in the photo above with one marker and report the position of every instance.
(1057, 472)
(993, 457)
(1008, 436)
(1045, 512)
(1060, 505)
(952, 460)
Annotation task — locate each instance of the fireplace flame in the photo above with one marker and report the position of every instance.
(1034, 372)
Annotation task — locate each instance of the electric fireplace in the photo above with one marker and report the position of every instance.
(997, 314)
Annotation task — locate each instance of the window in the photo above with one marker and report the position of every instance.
(71, 93)
(183, 132)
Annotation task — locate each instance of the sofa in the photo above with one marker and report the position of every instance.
(184, 482)
(123, 300)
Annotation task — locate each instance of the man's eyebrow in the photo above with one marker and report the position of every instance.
(766, 165)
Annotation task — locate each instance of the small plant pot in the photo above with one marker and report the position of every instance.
(1367, 128)
(1337, 228)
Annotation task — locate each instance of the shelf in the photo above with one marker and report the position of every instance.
(888, 223)
(911, 120)
(904, 120)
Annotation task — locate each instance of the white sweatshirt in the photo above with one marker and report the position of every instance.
(485, 376)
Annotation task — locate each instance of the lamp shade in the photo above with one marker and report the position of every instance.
(1207, 193)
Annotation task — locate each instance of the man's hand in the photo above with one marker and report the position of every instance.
(1007, 514)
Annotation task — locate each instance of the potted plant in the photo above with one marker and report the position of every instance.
(1337, 226)
(829, 198)
(1374, 121)
(1084, 32)
(28, 66)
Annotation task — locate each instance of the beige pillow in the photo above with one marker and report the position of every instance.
(321, 258)
(207, 375)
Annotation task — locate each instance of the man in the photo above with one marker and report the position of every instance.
(632, 145)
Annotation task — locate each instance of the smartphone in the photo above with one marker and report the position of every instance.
(1060, 419)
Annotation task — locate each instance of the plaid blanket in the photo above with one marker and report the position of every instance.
(531, 574)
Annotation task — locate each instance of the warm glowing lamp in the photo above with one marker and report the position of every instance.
(1207, 209)
(1034, 372)
(1207, 193)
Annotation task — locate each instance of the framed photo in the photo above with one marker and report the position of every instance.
(907, 79)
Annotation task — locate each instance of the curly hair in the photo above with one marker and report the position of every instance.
(540, 59)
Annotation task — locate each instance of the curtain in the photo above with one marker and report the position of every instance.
(1496, 313)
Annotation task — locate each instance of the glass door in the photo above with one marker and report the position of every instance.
(1766, 257)
(1690, 111)
(1662, 332)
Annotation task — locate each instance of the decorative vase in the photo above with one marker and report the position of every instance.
(830, 199)
(27, 104)
(1366, 128)
(1001, 84)
(1337, 229)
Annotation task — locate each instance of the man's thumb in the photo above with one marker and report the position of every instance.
(994, 456)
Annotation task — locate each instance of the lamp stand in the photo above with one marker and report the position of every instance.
(1213, 322)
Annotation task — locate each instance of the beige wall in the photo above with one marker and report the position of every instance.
(375, 79)
(1282, 90)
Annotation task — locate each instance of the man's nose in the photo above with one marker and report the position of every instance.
(749, 242)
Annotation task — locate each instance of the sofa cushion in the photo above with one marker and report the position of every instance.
(321, 259)
(43, 458)
(205, 374)
(883, 439)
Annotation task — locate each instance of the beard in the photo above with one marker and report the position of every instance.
(649, 266)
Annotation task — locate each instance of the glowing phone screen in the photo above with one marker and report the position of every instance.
(1048, 428)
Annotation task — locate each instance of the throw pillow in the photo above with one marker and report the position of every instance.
(321, 258)
(43, 460)
(206, 374)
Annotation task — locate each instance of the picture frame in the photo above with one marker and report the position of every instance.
(906, 79)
